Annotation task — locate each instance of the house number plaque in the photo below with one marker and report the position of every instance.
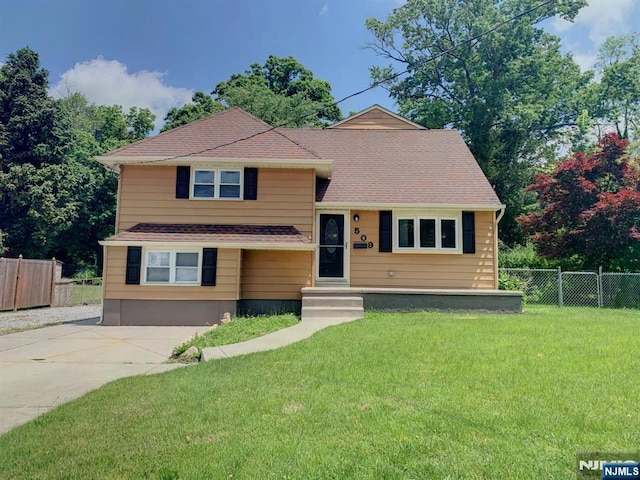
(363, 243)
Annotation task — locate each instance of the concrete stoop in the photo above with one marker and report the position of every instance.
(323, 306)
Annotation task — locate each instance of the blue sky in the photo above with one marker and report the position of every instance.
(156, 53)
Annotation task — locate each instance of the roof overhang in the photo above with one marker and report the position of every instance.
(252, 237)
(230, 245)
(323, 167)
(408, 206)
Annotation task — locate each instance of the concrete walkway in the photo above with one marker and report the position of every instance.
(43, 368)
(274, 340)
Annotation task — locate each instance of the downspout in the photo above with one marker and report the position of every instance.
(495, 245)
(117, 225)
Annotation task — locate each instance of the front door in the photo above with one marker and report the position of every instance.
(331, 255)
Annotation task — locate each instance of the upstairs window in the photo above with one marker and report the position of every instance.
(427, 233)
(216, 184)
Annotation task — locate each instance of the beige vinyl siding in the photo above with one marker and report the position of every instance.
(147, 195)
(375, 119)
(226, 287)
(275, 275)
(370, 268)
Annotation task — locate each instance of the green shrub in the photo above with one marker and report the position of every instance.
(510, 282)
(88, 273)
(522, 256)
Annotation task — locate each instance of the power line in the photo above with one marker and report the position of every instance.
(432, 58)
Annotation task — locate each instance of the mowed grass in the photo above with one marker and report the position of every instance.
(416, 395)
(241, 329)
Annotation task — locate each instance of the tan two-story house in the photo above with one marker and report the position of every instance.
(228, 214)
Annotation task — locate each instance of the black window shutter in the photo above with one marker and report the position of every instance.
(468, 232)
(250, 183)
(183, 179)
(209, 265)
(386, 227)
(134, 265)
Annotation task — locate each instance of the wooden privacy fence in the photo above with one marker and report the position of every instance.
(26, 283)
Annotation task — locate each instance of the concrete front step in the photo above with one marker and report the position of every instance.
(322, 301)
(316, 305)
(310, 313)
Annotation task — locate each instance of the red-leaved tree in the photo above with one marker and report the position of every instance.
(589, 208)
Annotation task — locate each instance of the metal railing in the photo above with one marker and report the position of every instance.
(586, 289)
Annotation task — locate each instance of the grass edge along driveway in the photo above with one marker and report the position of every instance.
(416, 395)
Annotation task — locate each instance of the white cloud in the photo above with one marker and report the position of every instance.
(585, 60)
(603, 18)
(325, 9)
(107, 82)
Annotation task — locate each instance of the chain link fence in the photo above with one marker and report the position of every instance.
(78, 291)
(87, 291)
(540, 286)
(585, 289)
(620, 290)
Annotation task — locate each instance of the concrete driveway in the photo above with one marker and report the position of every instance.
(43, 368)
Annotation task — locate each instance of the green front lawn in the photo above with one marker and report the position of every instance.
(423, 395)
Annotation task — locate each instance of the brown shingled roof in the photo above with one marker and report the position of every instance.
(432, 167)
(216, 136)
(398, 167)
(196, 233)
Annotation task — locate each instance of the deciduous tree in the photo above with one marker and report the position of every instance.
(95, 131)
(280, 92)
(509, 92)
(589, 208)
(55, 200)
(203, 105)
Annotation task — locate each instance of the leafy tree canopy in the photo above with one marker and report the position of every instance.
(509, 92)
(29, 128)
(96, 130)
(589, 208)
(203, 106)
(55, 200)
(614, 101)
(279, 92)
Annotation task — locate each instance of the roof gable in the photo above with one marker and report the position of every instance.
(377, 118)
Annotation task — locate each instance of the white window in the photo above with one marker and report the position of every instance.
(427, 234)
(172, 266)
(216, 183)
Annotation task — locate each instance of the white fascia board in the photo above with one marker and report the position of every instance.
(322, 166)
(407, 206)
